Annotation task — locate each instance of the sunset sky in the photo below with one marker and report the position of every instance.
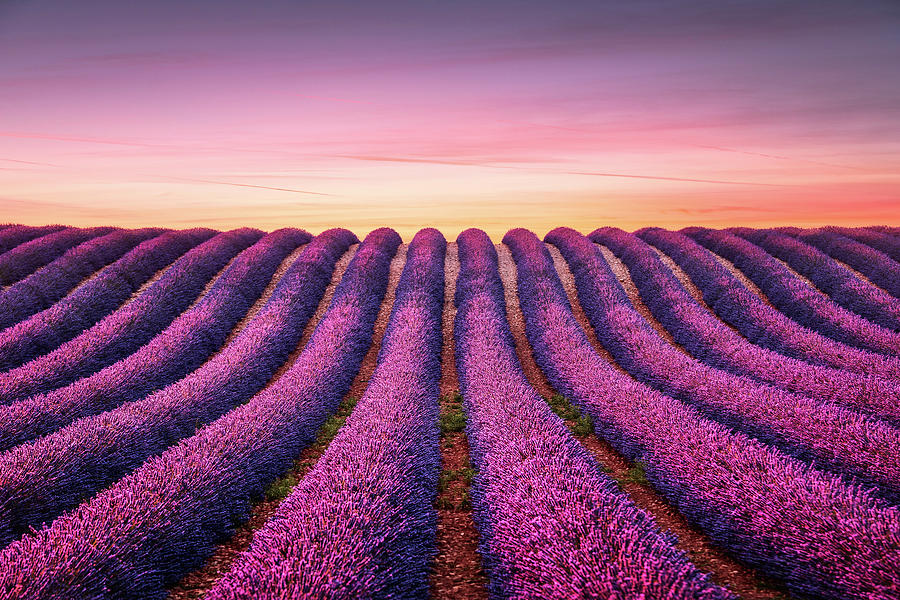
(450, 114)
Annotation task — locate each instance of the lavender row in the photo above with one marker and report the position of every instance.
(823, 433)
(77, 461)
(148, 529)
(14, 235)
(710, 340)
(179, 349)
(886, 229)
(48, 329)
(362, 522)
(864, 250)
(29, 247)
(757, 321)
(552, 524)
(841, 285)
(50, 283)
(27, 258)
(824, 538)
(795, 298)
(880, 268)
(126, 330)
(879, 240)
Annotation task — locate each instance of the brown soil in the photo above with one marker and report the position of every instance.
(195, 584)
(100, 270)
(857, 274)
(266, 294)
(517, 323)
(797, 275)
(682, 277)
(153, 279)
(724, 570)
(449, 380)
(457, 571)
(623, 274)
(742, 278)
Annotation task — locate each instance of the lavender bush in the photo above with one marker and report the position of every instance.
(150, 528)
(758, 321)
(795, 298)
(552, 525)
(49, 328)
(25, 259)
(824, 538)
(126, 330)
(175, 352)
(841, 285)
(362, 523)
(92, 452)
(48, 284)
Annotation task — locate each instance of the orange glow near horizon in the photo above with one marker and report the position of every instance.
(411, 116)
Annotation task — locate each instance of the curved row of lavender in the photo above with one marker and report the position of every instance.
(824, 538)
(15, 235)
(77, 461)
(756, 320)
(880, 268)
(822, 433)
(839, 283)
(795, 298)
(146, 531)
(50, 283)
(124, 331)
(362, 523)
(551, 524)
(886, 229)
(711, 341)
(879, 240)
(102, 294)
(176, 351)
(25, 259)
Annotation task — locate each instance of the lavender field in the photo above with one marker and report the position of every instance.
(700, 413)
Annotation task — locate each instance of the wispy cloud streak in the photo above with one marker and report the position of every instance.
(249, 185)
(683, 179)
(779, 157)
(29, 162)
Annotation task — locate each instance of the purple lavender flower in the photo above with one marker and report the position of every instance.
(823, 537)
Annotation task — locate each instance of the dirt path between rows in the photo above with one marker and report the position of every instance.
(623, 274)
(723, 569)
(457, 572)
(195, 584)
(686, 282)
